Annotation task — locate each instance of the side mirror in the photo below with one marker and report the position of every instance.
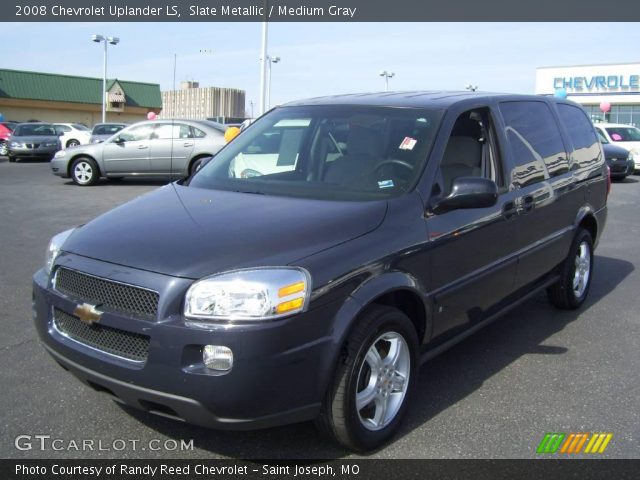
(469, 192)
(119, 140)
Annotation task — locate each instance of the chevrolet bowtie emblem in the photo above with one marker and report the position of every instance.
(88, 313)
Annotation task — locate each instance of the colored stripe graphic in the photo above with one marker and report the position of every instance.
(550, 443)
(598, 443)
(574, 442)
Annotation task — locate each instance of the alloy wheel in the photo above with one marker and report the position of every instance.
(83, 172)
(383, 381)
(582, 269)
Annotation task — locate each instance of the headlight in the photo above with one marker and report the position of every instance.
(60, 154)
(253, 294)
(15, 145)
(53, 250)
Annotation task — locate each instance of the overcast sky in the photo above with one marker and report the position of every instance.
(321, 58)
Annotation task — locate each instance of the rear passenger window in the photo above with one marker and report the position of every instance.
(586, 148)
(534, 142)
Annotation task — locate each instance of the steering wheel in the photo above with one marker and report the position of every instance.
(393, 161)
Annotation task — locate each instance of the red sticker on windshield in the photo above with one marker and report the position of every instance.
(408, 143)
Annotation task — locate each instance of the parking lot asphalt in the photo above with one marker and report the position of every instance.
(494, 395)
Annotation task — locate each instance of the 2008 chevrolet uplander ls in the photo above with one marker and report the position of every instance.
(308, 269)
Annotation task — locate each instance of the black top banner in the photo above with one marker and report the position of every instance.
(318, 11)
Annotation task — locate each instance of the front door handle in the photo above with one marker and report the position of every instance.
(509, 209)
(142, 147)
(187, 144)
(527, 203)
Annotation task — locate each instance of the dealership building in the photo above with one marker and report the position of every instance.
(201, 103)
(590, 85)
(52, 97)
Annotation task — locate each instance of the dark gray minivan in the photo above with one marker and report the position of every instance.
(309, 268)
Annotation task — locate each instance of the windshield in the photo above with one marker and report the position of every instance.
(624, 134)
(326, 152)
(33, 130)
(107, 129)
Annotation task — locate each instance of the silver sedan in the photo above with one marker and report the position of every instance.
(167, 148)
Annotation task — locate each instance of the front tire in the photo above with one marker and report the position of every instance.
(12, 159)
(576, 272)
(373, 382)
(84, 172)
(4, 149)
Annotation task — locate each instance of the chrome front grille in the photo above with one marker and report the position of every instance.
(121, 297)
(123, 344)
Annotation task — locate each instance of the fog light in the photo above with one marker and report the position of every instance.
(217, 357)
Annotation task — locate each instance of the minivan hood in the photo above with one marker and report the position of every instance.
(192, 232)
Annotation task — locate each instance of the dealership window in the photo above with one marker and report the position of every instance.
(627, 114)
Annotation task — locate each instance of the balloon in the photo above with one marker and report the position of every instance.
(605, 107)
(561, 92)
(231, 133)
(1, 117)
(151, 116)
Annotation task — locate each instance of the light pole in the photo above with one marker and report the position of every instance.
(112, 41)
(471, 88)
(387, 76)
(263, 66)
(270, 61)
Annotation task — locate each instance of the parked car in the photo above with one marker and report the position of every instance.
(156, 148)
(401, 224)
(104, 131)
(33, 140)
(619, 160)
(5, 134)
(73, 134)
(10, 124)
(626, 136)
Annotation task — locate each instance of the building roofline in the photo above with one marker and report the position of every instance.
(590, 65)
(31, 72)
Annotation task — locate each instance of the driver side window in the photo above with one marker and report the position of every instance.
(136, 134)
(471, 151)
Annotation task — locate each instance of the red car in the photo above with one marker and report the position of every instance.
(6, 128)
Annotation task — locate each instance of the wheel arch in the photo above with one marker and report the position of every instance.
(587, 219)
(397, 289)
(79, 156)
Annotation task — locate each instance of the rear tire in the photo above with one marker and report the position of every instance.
(12, 159)
(373, 382)
(576, 272)
(195, 166)
(73, 143)
(84, 171)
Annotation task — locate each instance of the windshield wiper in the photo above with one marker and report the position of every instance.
(250, 191)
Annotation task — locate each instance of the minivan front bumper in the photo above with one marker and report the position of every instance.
(279, 372)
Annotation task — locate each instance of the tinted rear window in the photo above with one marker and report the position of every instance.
(534, 141)
(586, 147)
